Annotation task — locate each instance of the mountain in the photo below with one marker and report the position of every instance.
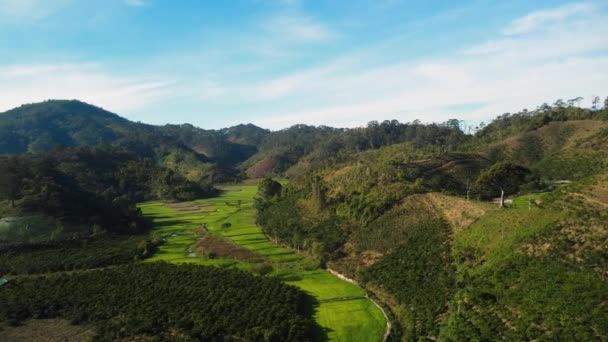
(497, 234)
(40, 126)
(415, 224)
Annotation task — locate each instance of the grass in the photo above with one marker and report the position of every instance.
(507, 293)
(522, 200)
(343, 311)
(491, 239)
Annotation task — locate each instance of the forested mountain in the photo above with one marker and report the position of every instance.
(412, 222)
(194, 152)
(86, 190)
(500, 232)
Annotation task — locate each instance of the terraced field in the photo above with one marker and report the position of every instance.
(343, 311)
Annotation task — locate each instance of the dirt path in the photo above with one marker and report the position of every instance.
(592, 200)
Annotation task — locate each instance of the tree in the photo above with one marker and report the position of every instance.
(269, 188)
(453, 124)
(606, 103)
(595, 102)
(11, 181)
(575, 101)
(502, 178)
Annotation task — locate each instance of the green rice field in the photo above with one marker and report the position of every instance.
(343, 311)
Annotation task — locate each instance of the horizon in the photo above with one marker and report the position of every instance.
(468, 128)
(284, 62)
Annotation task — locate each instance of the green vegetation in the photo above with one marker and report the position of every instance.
(41, 126)
(395, 206)
(361, 213)
(507, 288)
(418, 275)
(342, 311)
(86, 190)
(68, 255)
(504, 179)
(163, 301)
(508, 124)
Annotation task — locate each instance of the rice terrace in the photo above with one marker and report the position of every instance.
(221, 231)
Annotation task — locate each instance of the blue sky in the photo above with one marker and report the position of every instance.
(276, 63)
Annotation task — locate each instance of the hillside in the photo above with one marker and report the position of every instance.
(409, 211)
(558, 150)
(453, 269)
(407, 222)
(41, 126)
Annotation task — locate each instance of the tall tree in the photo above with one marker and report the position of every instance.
(595, 102)
(502, 178)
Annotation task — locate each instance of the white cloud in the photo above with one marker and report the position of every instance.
(135, 3)
(296, 28)
(289, 3)
(505, 74)
(557, 56)
(536, 19)
(14, 10)
(87, 82)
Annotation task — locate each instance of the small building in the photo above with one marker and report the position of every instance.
(3, 282)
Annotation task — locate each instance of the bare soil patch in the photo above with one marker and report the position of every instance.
(355, 261)
(459, 212)
(214, 246)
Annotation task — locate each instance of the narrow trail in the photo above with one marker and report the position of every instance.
(592, 200)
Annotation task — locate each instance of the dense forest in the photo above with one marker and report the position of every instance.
(167, 302)
(87, 190)
(18, 258)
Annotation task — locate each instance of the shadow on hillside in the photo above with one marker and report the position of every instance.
(243, 234)
(171, 223)
(289, 277)
(311, 306)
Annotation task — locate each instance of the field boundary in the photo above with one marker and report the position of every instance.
(389, 325)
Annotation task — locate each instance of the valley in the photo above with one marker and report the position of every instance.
(303, 171)
(342, 310)
(308, 233)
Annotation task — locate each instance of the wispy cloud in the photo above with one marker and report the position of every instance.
(277, 72)
(504, 74)
(296, 28)
(15, 10)
(85, 81)
(536, 19)
(135, 3)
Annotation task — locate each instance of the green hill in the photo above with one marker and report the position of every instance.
(558, 150)
(406, 220)
(41, 126)
(408, 210)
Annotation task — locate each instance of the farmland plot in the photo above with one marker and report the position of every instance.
(343, 310)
